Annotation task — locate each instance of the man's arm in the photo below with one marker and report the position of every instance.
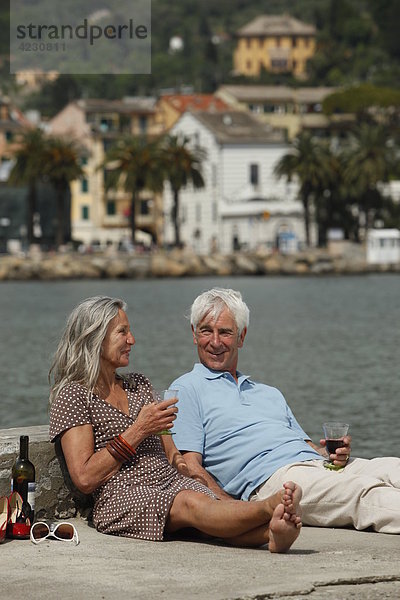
(194, 461)
(320, 449)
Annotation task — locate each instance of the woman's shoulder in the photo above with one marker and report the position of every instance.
(135, 380)
(73, 390)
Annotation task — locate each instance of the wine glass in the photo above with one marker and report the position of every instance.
(160, 396)
(334, 433)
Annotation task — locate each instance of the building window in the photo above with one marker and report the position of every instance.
(84, 186)
(111, 208)
(214, 213)
(107, 144)
(83, 161)
(279, 64)
(106, 124)
(85, 212)
(183, 213)
(9, 136)
(294, 42)
(254, 174)
(144, 207)
(198, 213)
(214, 176)
(143, 124)
(278, 42)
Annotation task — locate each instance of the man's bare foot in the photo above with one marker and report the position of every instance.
(291, 501)
(283, 530)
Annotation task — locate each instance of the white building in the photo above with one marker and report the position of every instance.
(383, 246)
(243, 205)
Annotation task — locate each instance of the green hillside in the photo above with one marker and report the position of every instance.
(358, 42)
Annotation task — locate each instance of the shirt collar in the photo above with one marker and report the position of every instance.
(211, 374)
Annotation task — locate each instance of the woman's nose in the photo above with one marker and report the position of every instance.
(131, 339)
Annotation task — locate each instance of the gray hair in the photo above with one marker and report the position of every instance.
(77, 358)
(213, 302)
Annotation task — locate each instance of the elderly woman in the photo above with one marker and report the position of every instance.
(108, 427)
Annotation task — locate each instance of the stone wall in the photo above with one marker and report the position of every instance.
(55, 495)
(185, 263)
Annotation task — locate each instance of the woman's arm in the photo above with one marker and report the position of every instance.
(89, 469)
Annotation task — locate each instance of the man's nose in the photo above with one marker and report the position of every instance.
(131, 339)
(215, 339)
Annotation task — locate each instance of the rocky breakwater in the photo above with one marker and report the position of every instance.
(185, 263)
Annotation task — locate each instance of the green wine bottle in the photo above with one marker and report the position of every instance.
(23, 479)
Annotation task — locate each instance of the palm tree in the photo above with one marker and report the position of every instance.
(135, 164)
(28, 169)
(60, 167)
(182, 166)
(370, 159)
(310, 162)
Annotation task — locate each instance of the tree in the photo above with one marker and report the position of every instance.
(182, 166)
(135, 164)
(310, 162)
(370, 160)
(60, 167)
(28, 169)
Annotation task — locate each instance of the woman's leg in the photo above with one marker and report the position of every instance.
(241, 523)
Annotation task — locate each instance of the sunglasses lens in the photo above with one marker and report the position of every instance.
(39, 531)
(64, 531)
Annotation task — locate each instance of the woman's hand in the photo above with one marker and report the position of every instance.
(341, 458)
(155, 417)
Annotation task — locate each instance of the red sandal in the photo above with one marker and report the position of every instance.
(19, 525)
(4, 516)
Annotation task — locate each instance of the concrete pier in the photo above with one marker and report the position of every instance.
(322, 564)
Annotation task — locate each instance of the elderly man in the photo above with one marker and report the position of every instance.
(241, 438)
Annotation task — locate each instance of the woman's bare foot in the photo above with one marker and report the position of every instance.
(283, 531)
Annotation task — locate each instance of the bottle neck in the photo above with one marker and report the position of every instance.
(23, 447)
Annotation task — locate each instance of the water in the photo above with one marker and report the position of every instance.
(330, 344)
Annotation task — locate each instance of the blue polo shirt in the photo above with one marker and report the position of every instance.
(244, 430)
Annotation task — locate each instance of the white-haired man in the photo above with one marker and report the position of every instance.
(241, 438)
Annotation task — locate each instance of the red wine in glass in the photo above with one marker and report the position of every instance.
(333, 445)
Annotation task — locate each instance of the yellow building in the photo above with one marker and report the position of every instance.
(96, 125)
(276, 43)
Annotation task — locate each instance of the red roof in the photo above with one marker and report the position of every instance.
(182, 102)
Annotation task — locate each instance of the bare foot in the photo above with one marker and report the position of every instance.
(291, 501)
(283, 530)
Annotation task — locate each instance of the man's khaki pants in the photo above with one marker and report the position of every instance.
(366, 493)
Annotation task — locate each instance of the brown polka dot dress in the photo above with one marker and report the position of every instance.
(135, 502)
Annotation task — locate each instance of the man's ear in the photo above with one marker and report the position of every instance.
(241, 337)
(194, 336)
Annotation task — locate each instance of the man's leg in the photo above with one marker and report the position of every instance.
(364, 494)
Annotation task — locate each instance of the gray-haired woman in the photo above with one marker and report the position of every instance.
(108, 428)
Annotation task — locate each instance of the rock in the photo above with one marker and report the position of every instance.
(272, 265)
(116, 268)
(245, 265)
(162, 266)
(217, 264)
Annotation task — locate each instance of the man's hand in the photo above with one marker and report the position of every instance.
(342, 455)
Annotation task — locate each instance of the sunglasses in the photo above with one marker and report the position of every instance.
(65, 532)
